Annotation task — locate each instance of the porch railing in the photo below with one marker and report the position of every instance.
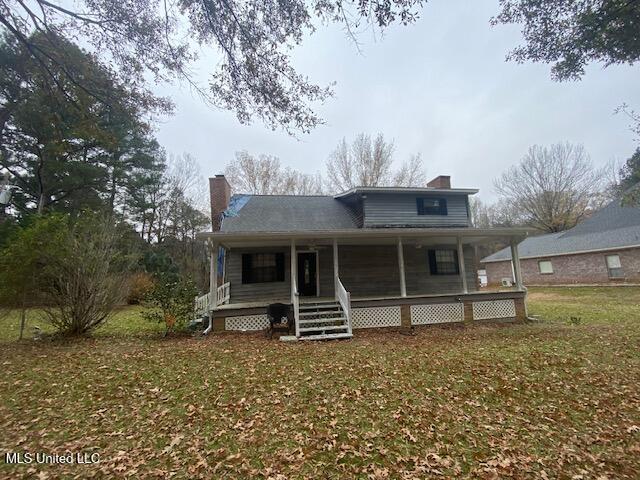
(222, 294)
(201, 306)
(344, 298)
(203, 303)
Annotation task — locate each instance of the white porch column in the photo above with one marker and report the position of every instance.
(294, 270)
(403, 283)
(335, 258)
(213, 277)
(515, 262)
(461, 266)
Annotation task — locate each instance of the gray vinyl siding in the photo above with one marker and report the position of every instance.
(419, 279)
(381, 210)
(372, 271)
(369, 270)
(326, 271)
(256, 292)
(365, 271)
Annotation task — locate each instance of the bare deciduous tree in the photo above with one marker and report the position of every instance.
(363, 163)
(498, 214)
(298, 183)
(369, 163)
(411, 173)
(553, 187)
(264, 175)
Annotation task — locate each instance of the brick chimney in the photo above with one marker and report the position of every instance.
(219, 193)
(441, 181)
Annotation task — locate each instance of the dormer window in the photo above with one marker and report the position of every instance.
(431, 206)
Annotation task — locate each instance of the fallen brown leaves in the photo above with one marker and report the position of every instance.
(544, 400)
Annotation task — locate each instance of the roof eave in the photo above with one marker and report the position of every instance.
(422, 190)
(368, 233)
(562, 254)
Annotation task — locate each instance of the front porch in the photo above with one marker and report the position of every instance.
(378, 280)
(414, 310)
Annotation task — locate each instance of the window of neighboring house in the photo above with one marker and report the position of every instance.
(431, 206)
(262, 267)
(614, 266)
(443, 262)
(545, 267)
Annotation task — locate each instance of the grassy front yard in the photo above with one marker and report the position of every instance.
(546, 399)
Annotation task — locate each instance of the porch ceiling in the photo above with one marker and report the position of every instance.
(362, 236)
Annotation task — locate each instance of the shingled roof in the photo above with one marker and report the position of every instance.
(289, 213)
(611, 228)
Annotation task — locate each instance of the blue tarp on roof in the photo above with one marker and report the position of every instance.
(235, 205)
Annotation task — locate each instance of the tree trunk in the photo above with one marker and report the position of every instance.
(23, 320)
(42, 198)
(41, 203)
(114, 186)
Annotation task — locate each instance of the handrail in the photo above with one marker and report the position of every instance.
(344, 298)
(296, 310)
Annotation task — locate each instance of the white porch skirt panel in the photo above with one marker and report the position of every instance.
(494, 309)
(437, 313)
(372, 317)
(246, 322)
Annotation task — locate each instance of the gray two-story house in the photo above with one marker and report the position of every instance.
(368, 257)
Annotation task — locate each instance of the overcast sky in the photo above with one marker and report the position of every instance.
(440, 87)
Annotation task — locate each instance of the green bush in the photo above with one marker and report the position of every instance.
(171, 301)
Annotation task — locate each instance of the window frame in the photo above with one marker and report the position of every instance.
(432, 258)
(442, 209)
(251, 274)
(540, 262)
(616, 269)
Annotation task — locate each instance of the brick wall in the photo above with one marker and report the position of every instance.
(567, 269)
(219, 194)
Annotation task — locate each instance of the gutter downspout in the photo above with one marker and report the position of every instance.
(213, 286)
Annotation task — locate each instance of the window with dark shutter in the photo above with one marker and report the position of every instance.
(262, 267)
(431, 206)
(443, 262)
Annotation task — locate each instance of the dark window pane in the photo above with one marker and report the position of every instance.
(443, 262)
(262, 267)
(431, 206)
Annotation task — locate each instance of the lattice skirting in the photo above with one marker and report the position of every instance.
(247, 322)
(373, 317)
(437, 313)
(494, 309)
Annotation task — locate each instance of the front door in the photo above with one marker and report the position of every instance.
(307, 278)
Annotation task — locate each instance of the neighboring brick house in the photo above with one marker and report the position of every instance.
(601, 250)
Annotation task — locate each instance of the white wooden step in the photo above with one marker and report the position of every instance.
(314, 306)
(328, 308)
(308, 321)
(326, 336)
(322, 312)
(323, 329)
(316, 301)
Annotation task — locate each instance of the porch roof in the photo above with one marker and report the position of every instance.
(365, 235)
